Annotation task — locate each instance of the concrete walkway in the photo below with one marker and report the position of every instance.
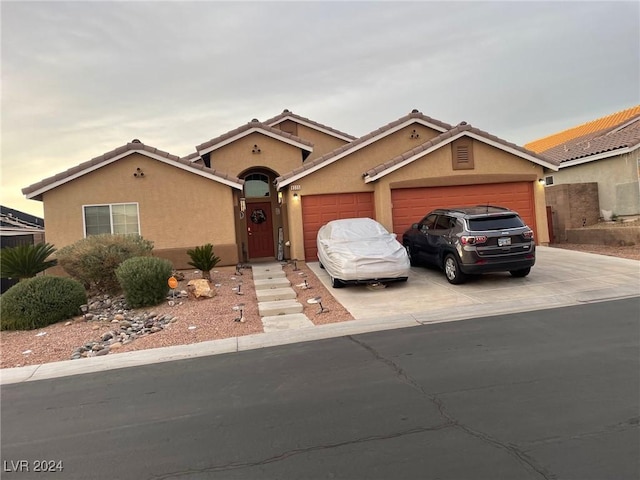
(560, 278)
(277, 304)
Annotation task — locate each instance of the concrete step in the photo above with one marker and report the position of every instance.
(266, 268)
(286, 322)
(269, 274)
(273, 294)
(278, 307)
(269, 283)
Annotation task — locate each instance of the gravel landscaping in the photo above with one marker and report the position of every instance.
(191, 320)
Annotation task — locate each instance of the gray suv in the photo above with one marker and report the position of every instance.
(472, 240)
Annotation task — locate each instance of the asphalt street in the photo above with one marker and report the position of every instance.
(551, 394)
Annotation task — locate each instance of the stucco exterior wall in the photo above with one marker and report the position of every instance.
(177, 209)
(617, 179)
(322, 143)
(237, 157)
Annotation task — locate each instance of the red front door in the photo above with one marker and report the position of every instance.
(260, 230)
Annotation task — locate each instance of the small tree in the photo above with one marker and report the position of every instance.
(203, 259)
(26, 261)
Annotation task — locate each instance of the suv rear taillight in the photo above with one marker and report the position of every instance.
(528, 235)
(473, 239)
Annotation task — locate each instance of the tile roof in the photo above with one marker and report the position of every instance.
(463, 129)
(594, 128)
(597, 145)
(36, 190)
(249, 128)
(358, 143)
(288, 114)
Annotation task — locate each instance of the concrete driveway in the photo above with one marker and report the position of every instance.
(559, 278)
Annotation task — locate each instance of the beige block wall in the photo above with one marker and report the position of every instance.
(177, 209)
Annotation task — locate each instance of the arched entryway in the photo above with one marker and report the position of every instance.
(261, 223)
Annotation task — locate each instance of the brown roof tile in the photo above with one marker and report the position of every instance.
(287, 113)
(442, 139)
(252, 124)
(133, 146)
(620, 136)
(353, 145)
(594, 127)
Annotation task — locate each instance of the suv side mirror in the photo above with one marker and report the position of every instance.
(415, 226)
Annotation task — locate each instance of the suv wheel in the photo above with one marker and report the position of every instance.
(412, 261)
(520, 273)
(452, 270)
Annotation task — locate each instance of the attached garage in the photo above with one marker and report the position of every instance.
(320, 209)
(410, 205)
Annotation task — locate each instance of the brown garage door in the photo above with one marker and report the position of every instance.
(412, 204)
(320, 209)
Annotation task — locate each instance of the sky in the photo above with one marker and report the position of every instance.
(82, 78)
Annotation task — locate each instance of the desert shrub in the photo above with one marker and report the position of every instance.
(203, 259)
(93, 260)
(25, 261)
(40, 301)
(144, 280)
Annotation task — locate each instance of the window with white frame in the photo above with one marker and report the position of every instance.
(117, 218)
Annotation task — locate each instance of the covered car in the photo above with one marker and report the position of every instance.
(360, 250)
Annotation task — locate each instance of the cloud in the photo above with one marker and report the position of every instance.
(81, 78)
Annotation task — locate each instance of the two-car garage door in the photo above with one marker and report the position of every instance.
(410, 205)
(320, 209)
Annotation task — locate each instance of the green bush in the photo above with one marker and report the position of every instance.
(93, 260)
(144, 280)
(40, 301)
(25, 261)
(203, 259)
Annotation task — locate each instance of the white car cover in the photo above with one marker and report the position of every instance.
(360, 249)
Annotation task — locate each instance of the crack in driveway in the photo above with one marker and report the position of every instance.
(513, 450)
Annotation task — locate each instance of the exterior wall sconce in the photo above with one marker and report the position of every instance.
(415, 134)
(280, 197)
(542, 181)
(295, 195)
(243, 204)
(138, 173)
(255, 149)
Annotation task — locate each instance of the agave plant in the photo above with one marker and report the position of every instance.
(203, 259)
(25, 261)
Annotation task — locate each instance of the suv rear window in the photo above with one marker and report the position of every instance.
(495, 223)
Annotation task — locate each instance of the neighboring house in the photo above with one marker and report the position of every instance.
(18, 228)
(264, 189)
(605, 152)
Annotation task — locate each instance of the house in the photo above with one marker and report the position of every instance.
(264, 189)
(599, 169)
(18, 228)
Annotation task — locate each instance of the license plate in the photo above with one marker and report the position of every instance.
(504, 241)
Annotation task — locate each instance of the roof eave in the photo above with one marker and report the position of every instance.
(371, 178)
(346, 138)
(349, 150)
(249, 131)
(37, 194)
(599, 156)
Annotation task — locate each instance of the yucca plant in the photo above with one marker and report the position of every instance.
(25, 261)
(203, 259)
